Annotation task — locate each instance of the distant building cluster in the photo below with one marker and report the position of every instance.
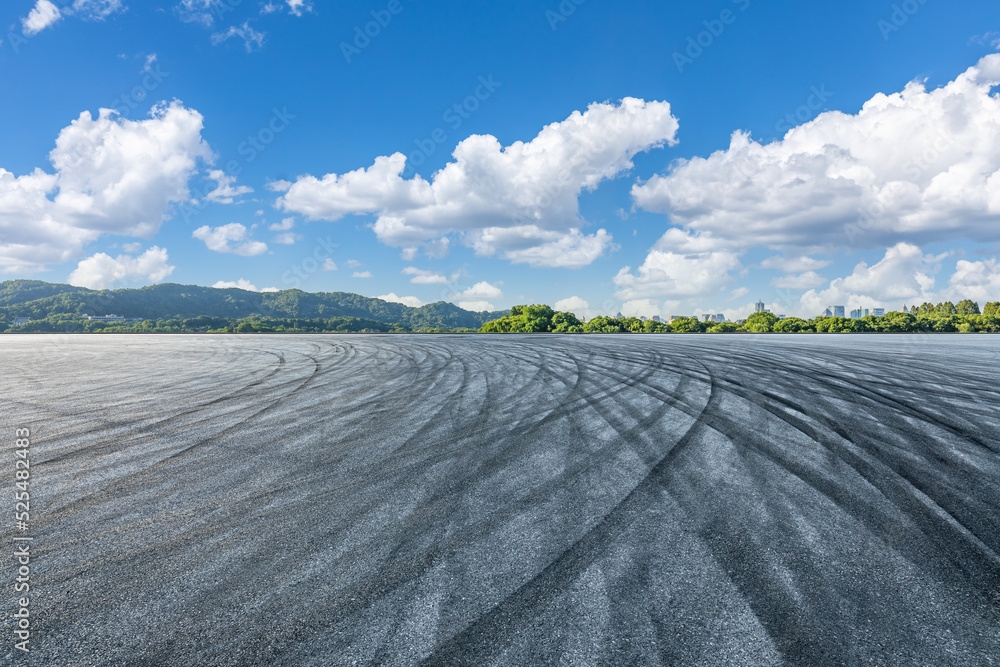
(112, 318)
(856, 314)
(21, 321)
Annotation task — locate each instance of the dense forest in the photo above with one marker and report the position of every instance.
(182, 308)
(965, 317)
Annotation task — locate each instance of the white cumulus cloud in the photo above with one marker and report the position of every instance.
(242, 284)
(518, 201)
(477, 306)
(903, 276)
(918, 165)
(679, 265)
(480, 291)
(411, 301)
(112, 175)
(102, 271)
(575, 305)
(45, 13)
(423, 277)
(41, 16)
(979, 281)
(225, 191)
(231, 238)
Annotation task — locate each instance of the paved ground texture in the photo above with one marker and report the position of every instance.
(475, 500)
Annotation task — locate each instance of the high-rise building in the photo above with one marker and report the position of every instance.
(878, 312)
(857, 314)
(759, 307)
(656, 318)
(827, 313)
(838, 311)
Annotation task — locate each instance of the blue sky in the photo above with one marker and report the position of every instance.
(254, 142)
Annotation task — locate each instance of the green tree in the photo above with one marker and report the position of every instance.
(687, 325)
(792, 325)
(896, 323)
(967, 307)
(604, 324)
(761, 323)
(566, 323)
(991, 309)
(946, 308)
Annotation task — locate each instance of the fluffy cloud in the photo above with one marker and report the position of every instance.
(411, 301)
(979, 281)
(112, 175)
(518, 201)
(286, 239)
(45, 13)
(101, 271)
(918, 165)
(903, 276)
(477, 306)
(41, 16)
(298, 7)
(680, 265)
(361, 274)
(251, 38)
(329, 265)
(224, 192)
(283, 226)
(222, 239)
(237, 284)
(479, 292)
(422, 277)
(575, 305)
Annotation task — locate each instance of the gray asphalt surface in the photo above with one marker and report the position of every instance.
(453, 500)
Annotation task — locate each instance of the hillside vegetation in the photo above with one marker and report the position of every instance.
(169, 307)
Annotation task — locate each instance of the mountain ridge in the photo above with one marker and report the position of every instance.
(38, 300)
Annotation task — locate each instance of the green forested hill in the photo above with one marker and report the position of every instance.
(39, 300)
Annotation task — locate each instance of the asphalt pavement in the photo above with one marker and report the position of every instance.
(506, 500)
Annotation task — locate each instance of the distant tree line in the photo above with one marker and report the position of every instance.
(543, 319)
(186, 307)
(965, 317)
